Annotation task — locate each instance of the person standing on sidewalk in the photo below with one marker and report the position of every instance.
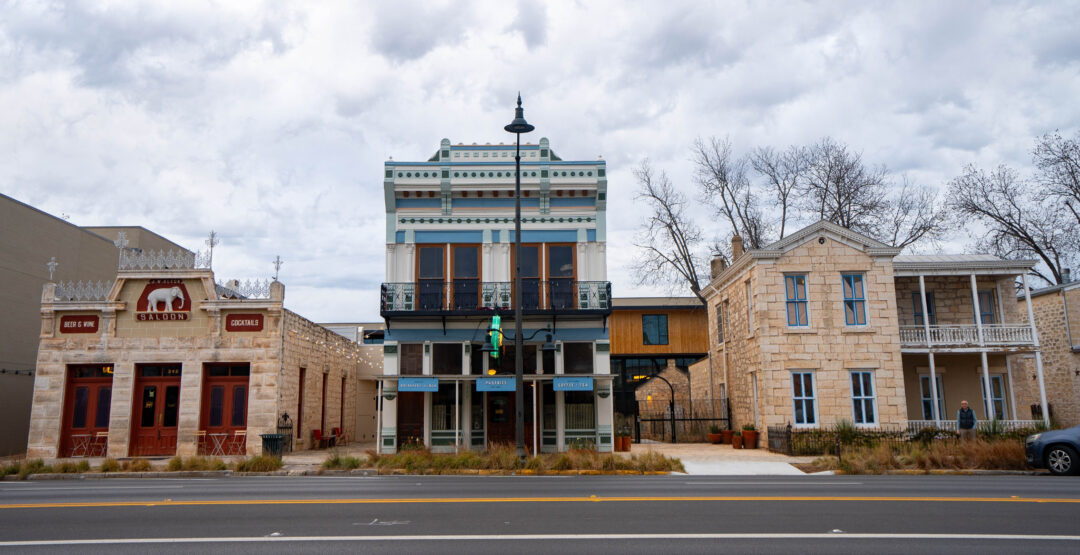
(966, 421)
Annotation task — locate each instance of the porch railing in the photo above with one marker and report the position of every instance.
(471, 295)
(984, 425)
(966, 335)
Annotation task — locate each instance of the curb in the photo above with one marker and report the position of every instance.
(325, 472)
(964, 472)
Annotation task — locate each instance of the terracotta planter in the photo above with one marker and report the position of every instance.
(622, 443)
(716, 439)
(736, 442)
(727, 435)
(749, 439)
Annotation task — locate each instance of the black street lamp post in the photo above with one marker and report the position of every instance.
(517, 127)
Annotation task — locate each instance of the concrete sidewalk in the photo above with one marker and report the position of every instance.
(714, 460)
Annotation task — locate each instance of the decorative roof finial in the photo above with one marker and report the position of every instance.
(211, 242)
(52, 264)
(277, 266)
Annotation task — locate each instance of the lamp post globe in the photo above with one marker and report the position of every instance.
(517, 127)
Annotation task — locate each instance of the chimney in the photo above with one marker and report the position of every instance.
(717, 266)
(736, 247)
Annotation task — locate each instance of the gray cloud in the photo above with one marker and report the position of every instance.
(270, 123)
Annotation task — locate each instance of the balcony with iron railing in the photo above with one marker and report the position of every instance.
(967, 335)
(470, 297)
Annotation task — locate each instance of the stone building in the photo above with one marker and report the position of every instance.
(35, 248)
(1057, 314)
(449, 238)
(164, 361)
(829, 325)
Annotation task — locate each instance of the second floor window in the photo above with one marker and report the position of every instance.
(986, 307)
(854, 300)
(720, 322)
(916, 300)
(795, 291)
(430, 272)
(654, 329)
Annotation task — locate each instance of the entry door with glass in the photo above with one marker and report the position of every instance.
(430, 277)
(927, 402)
(530, 275)
(465, 268)
(156, 411)
(560, 270)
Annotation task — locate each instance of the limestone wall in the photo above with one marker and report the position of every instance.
(1061, 366)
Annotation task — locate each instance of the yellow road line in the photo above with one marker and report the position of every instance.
(592, 499)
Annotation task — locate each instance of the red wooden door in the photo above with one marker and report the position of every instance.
(86, 408)
(156, 411)
(501, 423)
(410, 418)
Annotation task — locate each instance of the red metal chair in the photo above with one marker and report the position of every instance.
(319, 439)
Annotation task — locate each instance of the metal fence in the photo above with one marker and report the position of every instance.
(834, 441)
(689, 422)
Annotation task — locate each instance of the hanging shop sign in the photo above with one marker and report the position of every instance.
(496, 384)
(78, 324)
(418, 384)
(163, 299)
(243, 322)
(573, 384)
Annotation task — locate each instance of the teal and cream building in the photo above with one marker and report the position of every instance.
(449, 271)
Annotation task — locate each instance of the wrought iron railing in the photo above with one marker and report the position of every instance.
(68, 292)
(472, 294)
(163, 260)
(966, 334)
(247, 289)
(983, 425)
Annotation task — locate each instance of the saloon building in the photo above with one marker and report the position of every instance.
(164, 361)
(449, 260)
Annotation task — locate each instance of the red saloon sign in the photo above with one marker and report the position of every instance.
(78, 324)
(244, 322)
(163, 299)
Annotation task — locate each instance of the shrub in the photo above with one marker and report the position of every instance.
(981, 455)
(136, 465)
(176, 463)
(10, 468)
(261, 463)
(110, 465)
(34, 466)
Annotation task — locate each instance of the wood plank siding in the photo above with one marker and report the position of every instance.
(687, 331)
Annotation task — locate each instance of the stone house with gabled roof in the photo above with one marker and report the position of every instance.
(829, 325)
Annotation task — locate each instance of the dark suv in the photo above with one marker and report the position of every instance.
(1055, 450)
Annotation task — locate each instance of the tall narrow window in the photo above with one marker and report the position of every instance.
(560, 269)
(795, 291)
(997, 395)
(854, 300)
(803, 398)
(411, 359)
(987, 307)
(429, 276)
(863, 404)
(300, 404)
(927, 401)
(466, 272)
(917, 302)
(720, 322)
(654, 329)
(530, 276)
(749, 309)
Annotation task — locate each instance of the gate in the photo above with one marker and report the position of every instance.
(684, 420)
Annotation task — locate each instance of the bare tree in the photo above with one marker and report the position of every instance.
(1018, 225)
(913, 215)
(724, 185)
(841, 189)
(670, 241)
(784, 172)
(1057, 161)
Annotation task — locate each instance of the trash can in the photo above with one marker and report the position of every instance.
(273, 444)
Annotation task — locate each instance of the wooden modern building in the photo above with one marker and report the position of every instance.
(164, 361)
(653, 336)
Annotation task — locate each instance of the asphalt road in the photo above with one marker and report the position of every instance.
(594, 514)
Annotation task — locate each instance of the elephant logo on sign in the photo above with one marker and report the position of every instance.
(166, 295)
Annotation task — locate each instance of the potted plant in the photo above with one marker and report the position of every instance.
(715, 437)
(727, 435)
(749, 433)
(736, 440)
(622, 439)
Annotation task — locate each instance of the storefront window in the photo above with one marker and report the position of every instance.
(577, 358)
(446, 358)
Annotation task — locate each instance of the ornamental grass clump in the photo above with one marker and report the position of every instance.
(196, 463)
(110, 465)
(938, 455)
(33, 466)
(261, 463)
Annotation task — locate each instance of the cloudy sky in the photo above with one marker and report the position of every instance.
(269, 121)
